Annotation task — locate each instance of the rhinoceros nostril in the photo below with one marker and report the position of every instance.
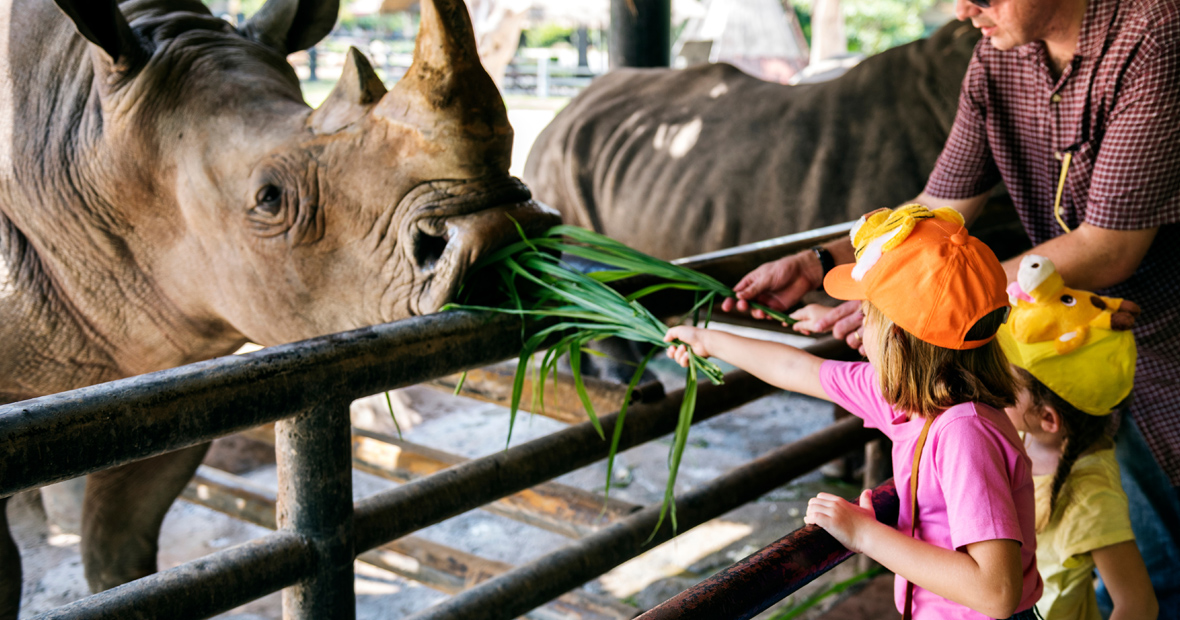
(429, 246)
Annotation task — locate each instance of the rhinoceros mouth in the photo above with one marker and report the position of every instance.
(451, 224)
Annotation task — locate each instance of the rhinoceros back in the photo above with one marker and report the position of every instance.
(678, 162)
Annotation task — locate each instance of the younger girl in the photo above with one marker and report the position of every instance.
(1072, 382)
(935, 384)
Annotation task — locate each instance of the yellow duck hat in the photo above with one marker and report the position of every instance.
(1076, 343)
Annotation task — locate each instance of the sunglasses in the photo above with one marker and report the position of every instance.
(983, 4)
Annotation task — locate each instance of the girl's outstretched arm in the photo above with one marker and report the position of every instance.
(780, 365)
(987, 578)
(1126, 579)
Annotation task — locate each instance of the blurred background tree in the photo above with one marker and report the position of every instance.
(874, 25)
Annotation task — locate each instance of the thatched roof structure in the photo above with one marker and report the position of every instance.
(757, 36)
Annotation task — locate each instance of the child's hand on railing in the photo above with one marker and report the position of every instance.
(845, 521)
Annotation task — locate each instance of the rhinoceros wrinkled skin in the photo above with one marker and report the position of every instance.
(166, 195)
(680, 162)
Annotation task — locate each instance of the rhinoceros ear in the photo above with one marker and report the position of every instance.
(358, 89)
(103, 24)
(292, 25)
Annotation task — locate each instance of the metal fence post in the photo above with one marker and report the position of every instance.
(314, 456)
(640, 33)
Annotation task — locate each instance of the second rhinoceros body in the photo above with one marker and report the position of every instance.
(680, 162)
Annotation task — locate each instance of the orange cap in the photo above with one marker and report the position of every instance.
(936, 283)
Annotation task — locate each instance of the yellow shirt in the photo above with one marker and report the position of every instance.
(1091, 513)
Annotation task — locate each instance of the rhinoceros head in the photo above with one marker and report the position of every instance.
(251, 209)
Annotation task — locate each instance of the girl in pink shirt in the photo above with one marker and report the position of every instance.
(936, 384)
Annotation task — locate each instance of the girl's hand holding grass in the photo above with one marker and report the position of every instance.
(845, 521)
(687, 337)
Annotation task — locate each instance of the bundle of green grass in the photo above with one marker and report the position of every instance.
(570, 308)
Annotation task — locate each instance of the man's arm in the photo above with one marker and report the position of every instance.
(1092, 258)
(969, 208)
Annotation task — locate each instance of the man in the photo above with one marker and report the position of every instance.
(1079, 102)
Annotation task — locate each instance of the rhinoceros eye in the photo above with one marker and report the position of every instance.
(269, 200)
(1068, 300)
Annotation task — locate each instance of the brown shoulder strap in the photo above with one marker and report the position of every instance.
(908, 614)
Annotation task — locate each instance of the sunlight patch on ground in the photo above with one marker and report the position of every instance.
(64, 540)
(673, 557)
(371, 580)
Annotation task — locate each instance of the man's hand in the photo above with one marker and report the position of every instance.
(844, 321)
(845, 521)
(779, 284)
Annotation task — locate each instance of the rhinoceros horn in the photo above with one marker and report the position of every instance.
(358, 90)
(446, 95)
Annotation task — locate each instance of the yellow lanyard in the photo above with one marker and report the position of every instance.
(1060, 187)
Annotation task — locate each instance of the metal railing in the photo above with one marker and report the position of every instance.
(769, 575)
(306, 387)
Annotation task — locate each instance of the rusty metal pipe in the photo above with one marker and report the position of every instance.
(314, 453)
(62, 436)
(204, 587)
(752, 585)
(528, 586)
(394, 513)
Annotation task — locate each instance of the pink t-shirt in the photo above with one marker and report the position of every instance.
(974, 481)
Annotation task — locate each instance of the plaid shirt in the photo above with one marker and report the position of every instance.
(1116, 107)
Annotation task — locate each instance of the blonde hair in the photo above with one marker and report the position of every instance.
(925, 379)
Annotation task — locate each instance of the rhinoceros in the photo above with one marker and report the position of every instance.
(166, 196)
(679, 162)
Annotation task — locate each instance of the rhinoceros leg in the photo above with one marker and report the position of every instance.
(122, 513)
(10, 576)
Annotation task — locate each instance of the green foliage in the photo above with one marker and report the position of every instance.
(874, 26)
(547, 35)
(572, 309)
(803, 14)
(377, 23)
